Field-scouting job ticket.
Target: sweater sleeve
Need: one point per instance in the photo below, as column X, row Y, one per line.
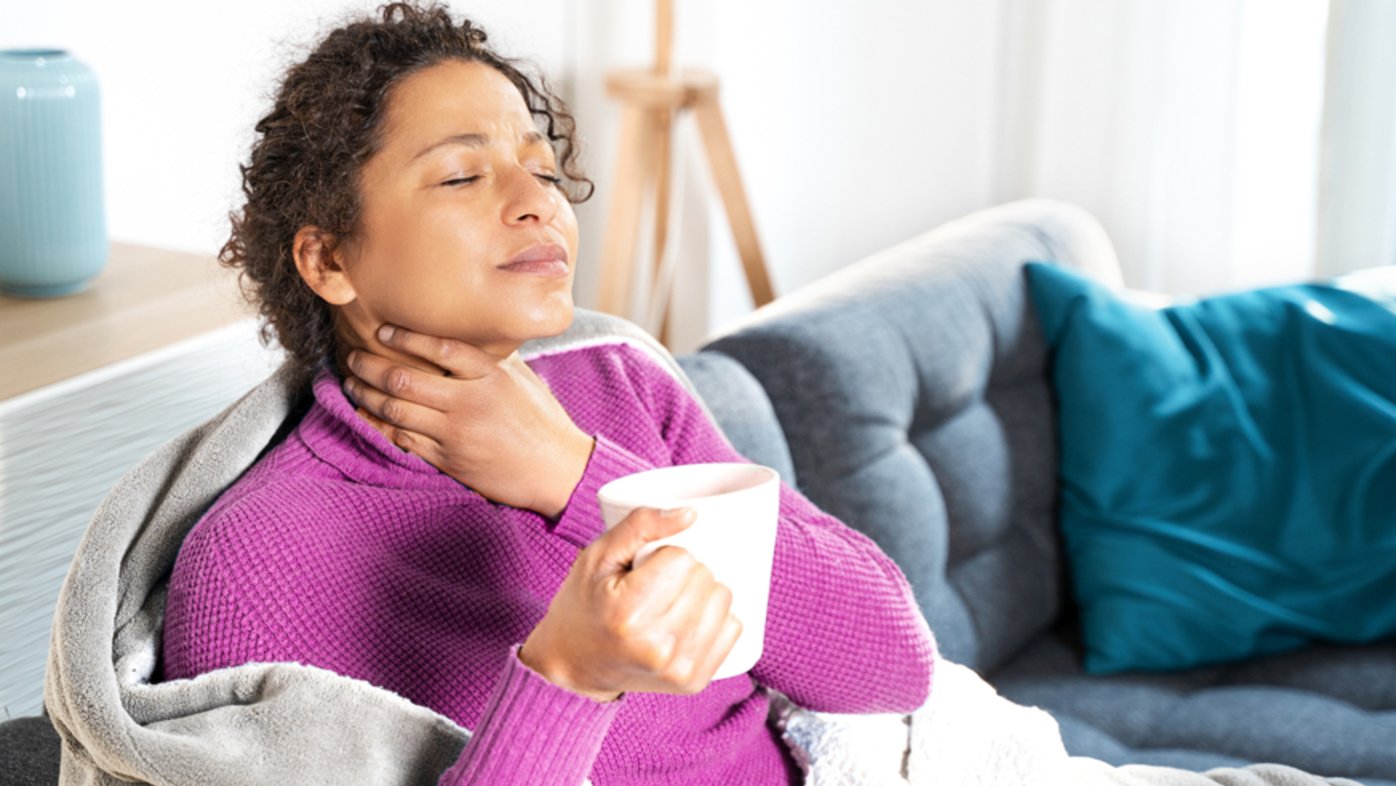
column 843, row 630
column 581, row 522
column 532, row 732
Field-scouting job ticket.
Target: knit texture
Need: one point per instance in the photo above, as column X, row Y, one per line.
column 341, row 551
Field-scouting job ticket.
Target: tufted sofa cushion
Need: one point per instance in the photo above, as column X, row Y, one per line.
column 912, row 392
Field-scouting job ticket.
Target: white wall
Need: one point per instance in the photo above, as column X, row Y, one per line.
column 183, row 83
column 854, row 126
column 857, row 124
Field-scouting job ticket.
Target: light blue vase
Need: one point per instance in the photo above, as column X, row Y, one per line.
column 53, row 234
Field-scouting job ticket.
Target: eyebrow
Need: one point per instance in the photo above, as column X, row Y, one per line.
column 474, row 141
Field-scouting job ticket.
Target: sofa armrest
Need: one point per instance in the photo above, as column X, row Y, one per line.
column 740, row 408
column 29, row 752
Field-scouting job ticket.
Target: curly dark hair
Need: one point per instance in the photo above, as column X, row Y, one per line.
column 326, row 123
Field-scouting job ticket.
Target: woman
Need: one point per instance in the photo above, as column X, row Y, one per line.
column 408, row 226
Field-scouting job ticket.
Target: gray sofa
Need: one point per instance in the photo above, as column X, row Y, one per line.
column 908, row 395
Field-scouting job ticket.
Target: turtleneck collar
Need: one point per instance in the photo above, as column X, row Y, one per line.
column 334, row 432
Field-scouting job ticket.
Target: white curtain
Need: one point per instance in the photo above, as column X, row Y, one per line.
column 1190, row 127
column 1357, row 184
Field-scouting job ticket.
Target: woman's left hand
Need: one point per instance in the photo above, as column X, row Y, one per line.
column 491, row 424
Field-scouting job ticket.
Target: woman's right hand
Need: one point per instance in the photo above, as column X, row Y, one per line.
column 612, row 628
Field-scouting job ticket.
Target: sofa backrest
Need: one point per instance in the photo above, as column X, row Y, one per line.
column 912, row 391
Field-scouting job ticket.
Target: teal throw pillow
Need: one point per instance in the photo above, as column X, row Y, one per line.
column 1228, row 467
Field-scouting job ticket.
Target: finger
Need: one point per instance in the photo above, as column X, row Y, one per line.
column 375, row 421
column 618, row 546
column 689, row 610
column 722, row 645
column 420, row 444
column 399, row 381
column 388, row 430
column 397, row 412
column 662, row 582
column 458, row 358
column 715, row 634
column 695, row 620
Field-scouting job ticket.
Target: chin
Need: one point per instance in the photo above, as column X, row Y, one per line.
column 551, row 321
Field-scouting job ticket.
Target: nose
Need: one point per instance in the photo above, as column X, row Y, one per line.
column 529, row 198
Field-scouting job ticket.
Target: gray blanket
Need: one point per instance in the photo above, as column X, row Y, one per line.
column 263, row 723
column 280, row 723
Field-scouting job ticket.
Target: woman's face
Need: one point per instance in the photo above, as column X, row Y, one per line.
column 462, row 186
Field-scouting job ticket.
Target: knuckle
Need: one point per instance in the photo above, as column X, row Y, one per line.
column 685, row 678
column 723, row 595
column 621, row 626
column 398, row 381
column 701, row 572
column 392, row 409
column 444, row 348
column 682, row 561
column 621, row 622
column 655, row 654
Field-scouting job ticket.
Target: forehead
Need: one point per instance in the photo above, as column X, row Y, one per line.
column 454, row 97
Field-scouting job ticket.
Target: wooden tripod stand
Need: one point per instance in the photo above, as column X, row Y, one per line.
column 652, row 100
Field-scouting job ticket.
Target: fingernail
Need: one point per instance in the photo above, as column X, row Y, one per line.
column 386, row 332
column 687, row 515
column 352, row 359
column 349, row 388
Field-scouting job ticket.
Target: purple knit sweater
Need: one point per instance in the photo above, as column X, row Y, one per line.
column 341, row 551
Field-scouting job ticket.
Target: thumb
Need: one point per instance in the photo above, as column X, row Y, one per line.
column 641, row 527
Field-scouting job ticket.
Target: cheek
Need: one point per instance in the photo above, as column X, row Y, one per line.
column 422, row 271
column 567, row 223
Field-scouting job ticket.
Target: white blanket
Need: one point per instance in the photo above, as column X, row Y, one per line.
column 968, row 735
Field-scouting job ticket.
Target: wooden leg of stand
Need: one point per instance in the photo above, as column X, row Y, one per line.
column 661, row 150
column 723, row 161
column 618, row 250
column 659, row 164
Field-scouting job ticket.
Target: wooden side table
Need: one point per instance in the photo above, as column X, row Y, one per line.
column 89, row 385
column 145, row 299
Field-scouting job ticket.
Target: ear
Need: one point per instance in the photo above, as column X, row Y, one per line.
column 319, row 263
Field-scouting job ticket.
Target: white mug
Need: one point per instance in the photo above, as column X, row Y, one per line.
column 734, row 534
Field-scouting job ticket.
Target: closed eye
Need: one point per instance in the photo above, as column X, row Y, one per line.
column 460, row 181
column 552, row 180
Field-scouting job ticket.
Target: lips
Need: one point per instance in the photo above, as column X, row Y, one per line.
column 544, row 258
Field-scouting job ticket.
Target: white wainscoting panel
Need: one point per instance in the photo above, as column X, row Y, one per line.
column 63, row 447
